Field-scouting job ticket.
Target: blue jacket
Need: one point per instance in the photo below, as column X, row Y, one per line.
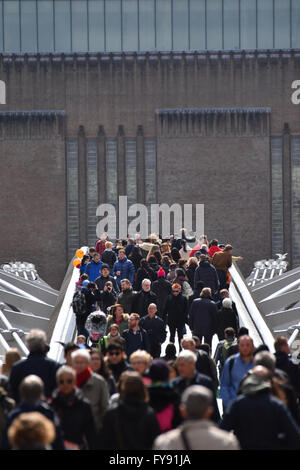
column 93, row 270
column 230, row 381
column 203, row 316
column 126, row 268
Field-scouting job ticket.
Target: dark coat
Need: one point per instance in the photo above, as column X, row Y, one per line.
column 129, row 425
column 109, row 257
column 226, row 318
column 162, row 288
column 190, row 274
column 135, row 341
column 106, row 299
column 181, row 384
column 36, row 363
column 203, row 316
column 101, row 280
column 207, row 273
column 176, row 310
column 141, row 302
column 143, row 273
column 76, row 417
column 258, row 420
column 162, row 396
column 40, row 407
column 284, row 363
column 118, row 369
column 125, row 298
column 155, row 327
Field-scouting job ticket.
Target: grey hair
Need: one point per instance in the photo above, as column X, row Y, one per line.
column 196, row 399
column 31, row 389
column 81, row 352
column 266, row 359
column 65, row 370
column 227, row 303
column 189, row 340
column 189, row 356
column 36, row 340
column 146, row 280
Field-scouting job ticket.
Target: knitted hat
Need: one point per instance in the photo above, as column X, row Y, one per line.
column 159, row 371
column 161, row 272
column 104, row 266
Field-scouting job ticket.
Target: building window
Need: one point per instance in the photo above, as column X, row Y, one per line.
column 277, row 195
column 72, row 197
column 11, row 16
column 295, row 154
column 150, row 171
column 111, row 172
column 45, row 26
column 130, row 163
column 92, row 190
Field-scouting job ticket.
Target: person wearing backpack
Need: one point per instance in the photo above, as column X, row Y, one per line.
column 84, row 303
column 234, row 369
column 223, row 349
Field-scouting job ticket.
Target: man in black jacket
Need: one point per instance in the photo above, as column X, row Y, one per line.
column 143, row 299
column 36, row 363
column 207, row 273
column 127, row 296
column 105, row 276
column 156, row 330
column 135, row 337
column 203, row 316
column 116, row 360
column 283, row 362
column 175, row 314
column 162, row 288
column 188, row 375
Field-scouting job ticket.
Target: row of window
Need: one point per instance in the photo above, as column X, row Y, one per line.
column 147, row 25
column 110, row 168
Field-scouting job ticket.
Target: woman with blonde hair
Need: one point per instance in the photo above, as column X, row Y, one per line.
column 140, row 361
column 12, row 356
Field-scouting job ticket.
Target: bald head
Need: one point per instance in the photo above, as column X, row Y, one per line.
column 262, row 372
column 246, row 347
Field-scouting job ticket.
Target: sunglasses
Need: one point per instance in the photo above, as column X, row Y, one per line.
column 114, row 353
column 62, row 381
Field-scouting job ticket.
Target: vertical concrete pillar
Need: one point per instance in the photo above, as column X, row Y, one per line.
column 287, row 193
column 82, row 186
column 140, row 165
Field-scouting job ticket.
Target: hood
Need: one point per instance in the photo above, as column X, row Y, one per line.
column 98, row 322
column 254, row 384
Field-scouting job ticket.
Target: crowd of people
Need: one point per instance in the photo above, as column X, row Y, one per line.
column 119, row 390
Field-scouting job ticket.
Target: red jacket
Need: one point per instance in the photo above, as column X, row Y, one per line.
column 212, row 250
column 100, row 247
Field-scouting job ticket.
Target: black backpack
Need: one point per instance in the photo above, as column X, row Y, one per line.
column 79, row 304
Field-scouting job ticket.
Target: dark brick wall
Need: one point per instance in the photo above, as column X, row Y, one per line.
column 230, row 174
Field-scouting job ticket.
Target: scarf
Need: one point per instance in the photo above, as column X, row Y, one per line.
column 83, row 377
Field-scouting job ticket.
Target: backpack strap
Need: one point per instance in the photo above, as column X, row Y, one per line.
column 185, row 439
column 231, row 362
